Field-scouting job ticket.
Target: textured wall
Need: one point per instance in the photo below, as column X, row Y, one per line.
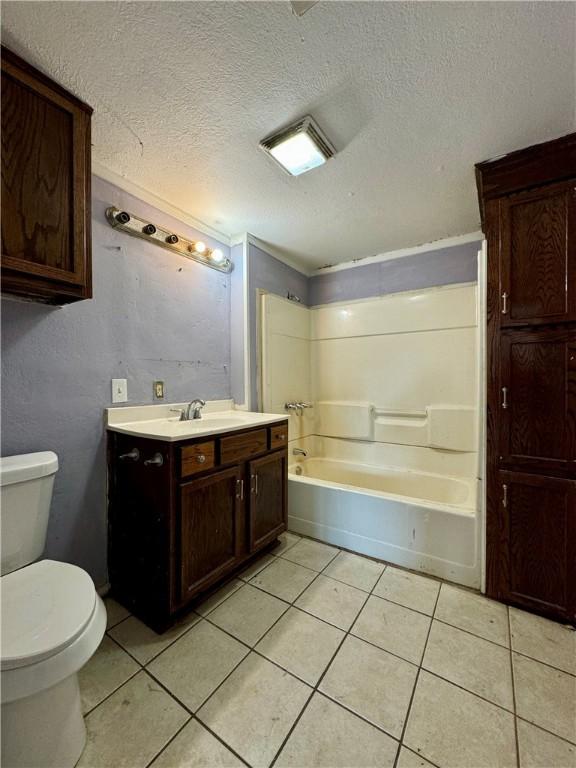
column 155, row 315
column 268, row 274
column 445, row 266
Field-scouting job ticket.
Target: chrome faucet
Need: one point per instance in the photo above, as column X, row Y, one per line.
column 192, row 411
column 299, row 452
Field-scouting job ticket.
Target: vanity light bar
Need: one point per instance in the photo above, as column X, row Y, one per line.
column 191, row 249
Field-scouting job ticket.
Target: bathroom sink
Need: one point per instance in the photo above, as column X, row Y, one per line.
column 205, row 425
column 171, row 428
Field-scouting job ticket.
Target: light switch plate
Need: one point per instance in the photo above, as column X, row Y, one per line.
column 158, row 389
column 119, row 390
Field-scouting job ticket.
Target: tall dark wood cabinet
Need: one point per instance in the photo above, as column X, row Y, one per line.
column 528, row 204
column 46, row 239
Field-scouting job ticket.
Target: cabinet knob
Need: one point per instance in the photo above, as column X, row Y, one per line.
column 156, row 461
column 200, row 458
column 132, row 455
column 282, row 437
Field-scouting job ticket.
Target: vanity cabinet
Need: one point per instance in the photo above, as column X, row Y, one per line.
column 184, row 515
column 46, row 238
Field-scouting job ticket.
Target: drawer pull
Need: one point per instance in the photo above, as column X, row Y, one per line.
column 200, row 458
column 504, row 397
column 504, row 495
column 281, row 437
column 504, row 303
column 156, row 461
column 133, row 455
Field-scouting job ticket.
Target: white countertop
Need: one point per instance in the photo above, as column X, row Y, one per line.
column 160, row 423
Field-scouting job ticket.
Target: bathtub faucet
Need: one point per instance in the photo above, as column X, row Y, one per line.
column 298, row 407
column 299, row 452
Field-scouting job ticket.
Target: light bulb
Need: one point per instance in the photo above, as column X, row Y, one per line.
column 199, row 247
column 217, row 256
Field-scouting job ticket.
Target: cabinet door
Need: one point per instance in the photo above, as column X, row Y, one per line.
column 45, row 186
column 210, row 528
column 538, row 556
column 268, row 498
column 537, row 422
column 538, row 256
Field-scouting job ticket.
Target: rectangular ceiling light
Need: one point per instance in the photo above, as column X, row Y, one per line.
column 299, row 147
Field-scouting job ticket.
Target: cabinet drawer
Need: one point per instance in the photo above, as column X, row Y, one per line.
column 239, row 447
column 197, row 458
column 279, row 436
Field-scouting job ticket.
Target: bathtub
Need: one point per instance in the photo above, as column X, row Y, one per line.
column 417, row 520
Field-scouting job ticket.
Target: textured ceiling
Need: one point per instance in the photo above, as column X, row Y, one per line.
column 412, row 95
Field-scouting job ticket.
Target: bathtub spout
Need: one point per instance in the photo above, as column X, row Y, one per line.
column 299, row 452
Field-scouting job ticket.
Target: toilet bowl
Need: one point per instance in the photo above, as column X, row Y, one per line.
column 52, row 623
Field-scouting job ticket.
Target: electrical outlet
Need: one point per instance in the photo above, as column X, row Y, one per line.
column 119, row 390
column 159, row 390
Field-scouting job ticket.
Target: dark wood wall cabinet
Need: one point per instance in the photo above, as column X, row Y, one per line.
column 528, row 205
column 46, row 239
column 182, row 516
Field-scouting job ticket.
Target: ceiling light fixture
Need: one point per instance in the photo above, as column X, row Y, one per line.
column 299, row 147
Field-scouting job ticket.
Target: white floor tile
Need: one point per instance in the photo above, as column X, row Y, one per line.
column 301, row 644
column 255, row 708
column 328, row 736
column 408, row 589
column 357, row 571
column 131, row 727
column 332, row 601
column 311, row 554
column 543, row 640
column 197, row 663
column 393, row 628
column 248, row 614
column 195, row 747
column 107, row 670
column 453, row 728
column 471, row 662
column 284, row 579
column 545, row 696
column 473, row 613
column 539, row 749
column 142, row 642
column 372, row 683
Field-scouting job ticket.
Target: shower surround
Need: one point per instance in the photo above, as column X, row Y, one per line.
column 392, row 466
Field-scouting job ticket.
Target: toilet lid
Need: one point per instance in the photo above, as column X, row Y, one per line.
column 45, row 606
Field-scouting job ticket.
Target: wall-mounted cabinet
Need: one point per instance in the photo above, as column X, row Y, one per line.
column 46, row 240
column 184, row 515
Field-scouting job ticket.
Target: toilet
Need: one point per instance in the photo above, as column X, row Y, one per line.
column 52, row 623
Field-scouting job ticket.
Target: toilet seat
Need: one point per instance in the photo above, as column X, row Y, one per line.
column 45, row 607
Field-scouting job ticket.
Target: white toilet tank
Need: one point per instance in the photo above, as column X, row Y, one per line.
column 26, row 483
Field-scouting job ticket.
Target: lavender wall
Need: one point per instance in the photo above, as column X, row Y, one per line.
column 456, row 264
column 268, row 274
column 155, row 315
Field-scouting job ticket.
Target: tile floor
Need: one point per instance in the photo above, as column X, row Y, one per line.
column 318, row 657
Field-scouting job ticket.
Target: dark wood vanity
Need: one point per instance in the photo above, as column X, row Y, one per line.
column 184, row 515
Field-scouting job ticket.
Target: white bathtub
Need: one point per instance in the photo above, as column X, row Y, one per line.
column 417, row 520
